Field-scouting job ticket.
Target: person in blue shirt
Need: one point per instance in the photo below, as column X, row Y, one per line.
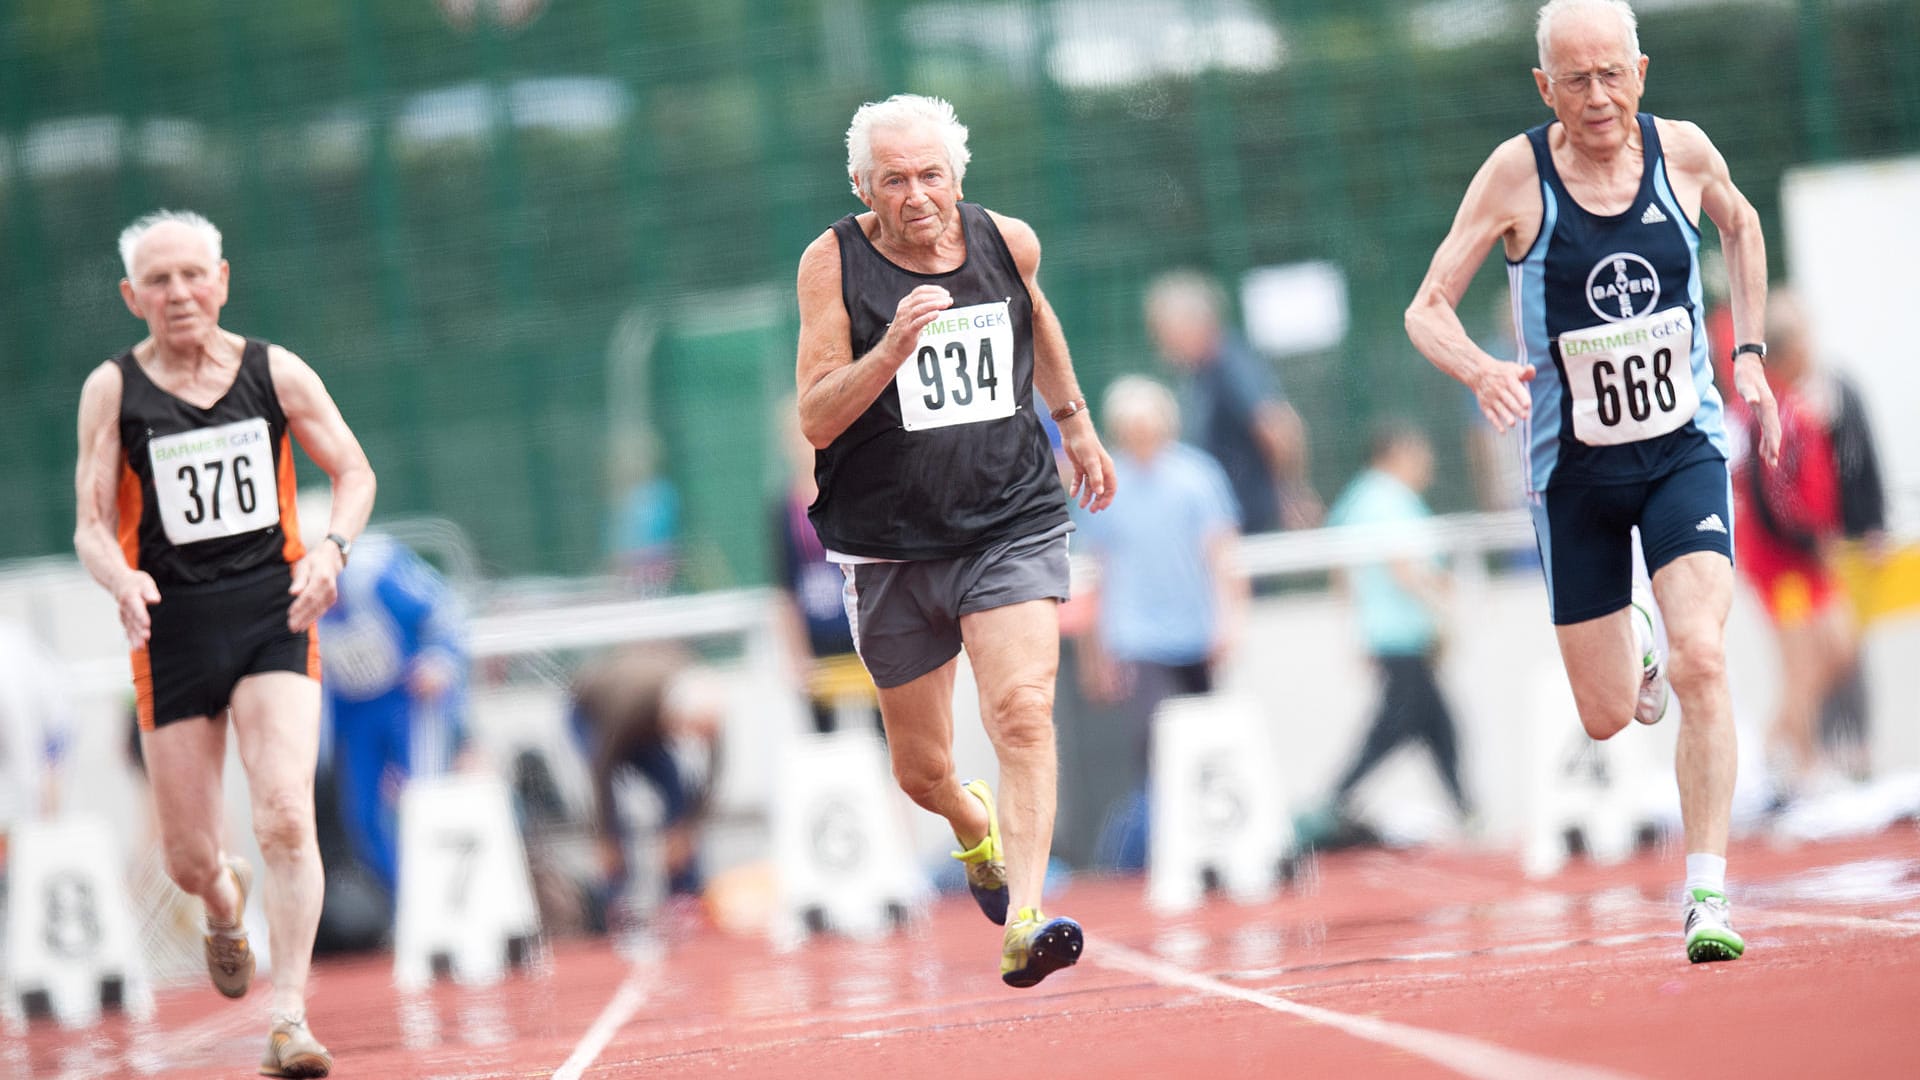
column 1400, row 602
column 394, row 680
column 1171, row 601
column 1232, row 405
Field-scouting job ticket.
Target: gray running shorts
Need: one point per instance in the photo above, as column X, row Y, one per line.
column 906, row 615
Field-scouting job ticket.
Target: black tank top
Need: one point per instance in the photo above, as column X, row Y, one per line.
column 205, row 493
column 951, row 458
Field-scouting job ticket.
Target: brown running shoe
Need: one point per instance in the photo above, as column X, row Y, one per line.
column 229, row 957
column 293, row 1051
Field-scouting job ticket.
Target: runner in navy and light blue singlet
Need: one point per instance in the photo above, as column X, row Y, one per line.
column 1597, row 213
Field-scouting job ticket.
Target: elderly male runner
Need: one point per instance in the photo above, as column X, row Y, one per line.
column 1596, row 210
column 923, row 335
column 186, row 515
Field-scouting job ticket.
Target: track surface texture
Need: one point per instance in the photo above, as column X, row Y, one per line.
column 1373, row 964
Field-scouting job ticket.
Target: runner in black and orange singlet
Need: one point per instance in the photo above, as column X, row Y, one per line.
column 186, row 515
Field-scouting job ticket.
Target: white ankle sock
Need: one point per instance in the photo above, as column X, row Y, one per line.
column 1706, row 871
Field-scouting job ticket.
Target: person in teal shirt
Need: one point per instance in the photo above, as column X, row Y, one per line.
column 1399, row 602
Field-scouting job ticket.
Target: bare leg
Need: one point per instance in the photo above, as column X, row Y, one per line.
column 277, row 719
column 1695, row 593
column 1603, row 668
column 919, row 722
column 184, row 761
column 1016, row 655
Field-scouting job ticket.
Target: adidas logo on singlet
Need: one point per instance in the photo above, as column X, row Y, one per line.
column 1653, row 216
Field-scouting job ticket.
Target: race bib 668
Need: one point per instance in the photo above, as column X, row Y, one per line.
column 960, row 371
column 216, row 481
column 1631, row 380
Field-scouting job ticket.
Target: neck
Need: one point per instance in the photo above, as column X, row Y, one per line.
column 945, row 252
column 204, row 351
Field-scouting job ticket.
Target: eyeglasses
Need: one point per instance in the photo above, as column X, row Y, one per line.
column 1578, row 83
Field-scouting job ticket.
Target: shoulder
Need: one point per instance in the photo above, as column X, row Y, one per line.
column 1512, row 164
column 820, row 264
column 1022, row 242
column 1684, row 144
column 283, row 361
column 105, row 379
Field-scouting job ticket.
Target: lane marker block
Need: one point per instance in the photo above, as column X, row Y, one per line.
column 466, row 906
column 1218, row 819
column 840, row 847
column 71, row 948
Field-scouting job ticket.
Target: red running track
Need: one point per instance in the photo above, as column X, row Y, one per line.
column 1381, row 964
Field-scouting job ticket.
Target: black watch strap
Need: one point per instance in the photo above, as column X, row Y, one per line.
column 345, row 545
column 1757, row 348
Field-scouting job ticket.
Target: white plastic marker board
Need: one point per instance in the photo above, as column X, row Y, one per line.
column 71, row 946
column 1218, row 817
column 466, row 903
column 840, row 847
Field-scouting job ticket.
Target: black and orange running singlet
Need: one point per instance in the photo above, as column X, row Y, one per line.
column 205, row 493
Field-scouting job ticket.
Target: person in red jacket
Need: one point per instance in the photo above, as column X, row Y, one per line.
column 1788, row 519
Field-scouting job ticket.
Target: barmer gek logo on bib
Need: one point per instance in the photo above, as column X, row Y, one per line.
column 1621, row 286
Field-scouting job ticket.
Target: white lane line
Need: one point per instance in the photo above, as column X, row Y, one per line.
column 1464, row 1055
column 626, row 1001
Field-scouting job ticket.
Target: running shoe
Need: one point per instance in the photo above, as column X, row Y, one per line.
column 229, row 957
column 1035, row 947
column 293, row 1051
column 1651, row 705
column 1710, row 934
column 986, row 862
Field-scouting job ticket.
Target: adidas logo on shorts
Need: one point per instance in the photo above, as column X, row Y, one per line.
column 1653, row 216
column 1711, row 523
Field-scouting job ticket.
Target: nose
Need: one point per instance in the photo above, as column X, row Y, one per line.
column 177, row 288
column 1597, row 93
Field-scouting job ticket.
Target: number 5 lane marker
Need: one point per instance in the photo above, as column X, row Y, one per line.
column 1464, row 1055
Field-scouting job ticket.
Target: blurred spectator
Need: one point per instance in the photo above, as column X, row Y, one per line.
column 1171, row 601
column 647, row 714
column 812, row 590
column 35, row 725
column 1400, row 603
column 1789, row 520
column 643, row 524
column 394, row 677
column 1232, row 404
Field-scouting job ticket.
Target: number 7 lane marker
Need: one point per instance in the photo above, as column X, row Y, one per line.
column 1460, row 1053
column 626, row 1001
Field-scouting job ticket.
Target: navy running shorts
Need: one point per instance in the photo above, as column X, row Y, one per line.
column 1585, row 533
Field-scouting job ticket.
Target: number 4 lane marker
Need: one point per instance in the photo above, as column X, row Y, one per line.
column 1462, row 1054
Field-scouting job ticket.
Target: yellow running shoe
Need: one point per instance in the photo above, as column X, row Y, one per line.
column 985, row 862
column 229, row 957
column 1035, row 947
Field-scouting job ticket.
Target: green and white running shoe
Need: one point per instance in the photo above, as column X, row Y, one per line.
column 1709, row 927
column 1651, row 705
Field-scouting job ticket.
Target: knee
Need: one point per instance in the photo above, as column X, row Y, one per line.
column 1023, row 717
column 1603, row 725
column 1695, row 661
column 920, row 776
column 283, row 822
column 193, row 865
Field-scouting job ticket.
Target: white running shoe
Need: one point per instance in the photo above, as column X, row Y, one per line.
column 1709, row 928
column 1651, row 705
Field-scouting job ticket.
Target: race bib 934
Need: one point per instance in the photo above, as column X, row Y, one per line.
column 961, row 371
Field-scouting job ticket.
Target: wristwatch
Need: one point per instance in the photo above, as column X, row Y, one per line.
column 1757, row 348
column 345, row 545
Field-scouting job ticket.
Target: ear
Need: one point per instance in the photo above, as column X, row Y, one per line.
column 1642, row 65
column 1545, row 86
column 226, row 275
column 859, row 192
column 127, row 294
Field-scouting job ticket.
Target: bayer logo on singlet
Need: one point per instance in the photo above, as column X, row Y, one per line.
column 1621, row 286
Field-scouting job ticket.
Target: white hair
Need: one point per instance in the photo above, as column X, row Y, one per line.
column 131, row 236
column 898, row 112
column 1186, row 296
column 1553, row 9
column 1137, row 397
